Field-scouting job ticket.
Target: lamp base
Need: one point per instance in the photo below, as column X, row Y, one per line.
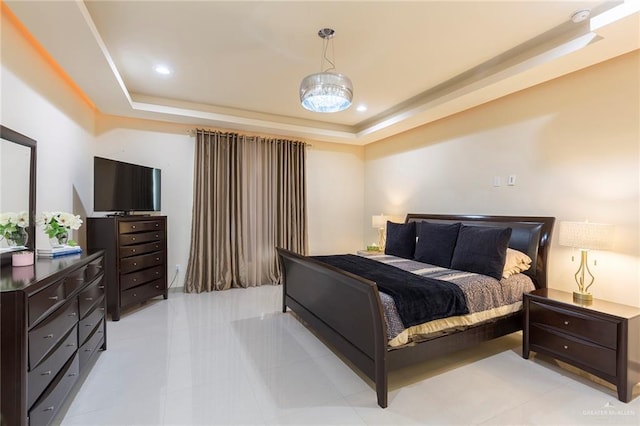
column 582, row 297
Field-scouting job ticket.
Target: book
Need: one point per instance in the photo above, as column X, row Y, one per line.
column 59, row 251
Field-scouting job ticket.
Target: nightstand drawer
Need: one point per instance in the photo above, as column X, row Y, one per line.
column 573, row 349
column 596, row 330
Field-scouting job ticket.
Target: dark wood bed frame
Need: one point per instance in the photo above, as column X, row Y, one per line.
column 345, row 310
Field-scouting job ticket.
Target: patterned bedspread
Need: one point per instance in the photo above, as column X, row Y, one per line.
column 486, row 298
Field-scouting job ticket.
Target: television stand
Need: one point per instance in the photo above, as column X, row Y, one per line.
column 135, row 260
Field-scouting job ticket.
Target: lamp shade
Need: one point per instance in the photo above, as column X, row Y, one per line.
column 378, row 221
column 586, row 235
column 326, row 92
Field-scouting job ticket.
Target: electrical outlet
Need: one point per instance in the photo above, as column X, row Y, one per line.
column 178, row 267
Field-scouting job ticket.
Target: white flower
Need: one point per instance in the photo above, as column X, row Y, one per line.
column 5, row 218
column 22, row 219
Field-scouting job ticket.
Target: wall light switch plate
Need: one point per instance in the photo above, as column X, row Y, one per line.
column 497, row 181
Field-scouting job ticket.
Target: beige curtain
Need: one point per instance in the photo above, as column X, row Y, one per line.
column 249, row 198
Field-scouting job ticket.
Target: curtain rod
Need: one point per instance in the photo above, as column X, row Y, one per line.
column 192, row 133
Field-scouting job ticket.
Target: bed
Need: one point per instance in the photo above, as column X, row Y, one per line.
column 345, row 309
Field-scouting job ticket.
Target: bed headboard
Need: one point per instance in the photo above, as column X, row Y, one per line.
column 530, row 235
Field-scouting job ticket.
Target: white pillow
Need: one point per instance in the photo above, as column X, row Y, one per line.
column 515, row 263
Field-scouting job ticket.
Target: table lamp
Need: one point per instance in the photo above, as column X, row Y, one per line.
column 380, row 222
column 585, row 236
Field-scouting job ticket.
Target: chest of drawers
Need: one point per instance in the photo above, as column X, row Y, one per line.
column 136, row 258
column 52, row 325
column 602, row 338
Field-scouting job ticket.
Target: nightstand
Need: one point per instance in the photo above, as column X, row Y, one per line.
column 369, row 252
column 602, row 338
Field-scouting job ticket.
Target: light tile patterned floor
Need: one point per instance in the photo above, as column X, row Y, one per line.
column 233, row 358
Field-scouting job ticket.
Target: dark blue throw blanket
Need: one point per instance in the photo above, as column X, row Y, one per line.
column 418, row 299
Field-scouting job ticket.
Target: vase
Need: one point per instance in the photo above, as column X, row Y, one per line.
column 17, row 238
column 59, row 240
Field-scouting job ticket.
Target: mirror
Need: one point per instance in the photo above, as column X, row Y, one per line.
column 17, row 193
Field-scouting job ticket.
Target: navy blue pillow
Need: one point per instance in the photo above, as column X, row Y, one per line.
column 481, row 249
column 401, row 239
column 436, row 242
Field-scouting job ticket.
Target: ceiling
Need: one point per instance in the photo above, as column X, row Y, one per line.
column 238, row 64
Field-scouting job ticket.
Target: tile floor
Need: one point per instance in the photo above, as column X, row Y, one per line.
column 233, row 358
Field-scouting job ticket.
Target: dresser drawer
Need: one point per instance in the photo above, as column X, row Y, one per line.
column 89, row 323
column 40, row 377
column 140, row 226
column 49, row 404
column 94, row 269
column 144, row 261
column 135, row 279
column 582, row 352
column 88, row 298
column 143, row 237
column 135, row 250
column 142, row 293
column 599, row 331
column 45, row 301
column 46, row 335
column 74, row 281
column 91, row 345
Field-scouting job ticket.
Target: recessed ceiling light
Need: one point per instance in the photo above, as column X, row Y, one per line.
column 580, row 15
column 162, row 69
column 361, row 108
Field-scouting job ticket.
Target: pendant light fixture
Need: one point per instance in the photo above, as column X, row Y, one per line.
column 326, row 91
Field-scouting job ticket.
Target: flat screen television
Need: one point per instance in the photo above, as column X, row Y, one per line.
column 124, row 188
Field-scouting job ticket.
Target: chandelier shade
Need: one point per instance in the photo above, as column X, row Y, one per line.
column 326, row 92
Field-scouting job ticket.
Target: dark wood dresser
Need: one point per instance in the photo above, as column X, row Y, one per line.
column 52, row 325
column 602, row 338
column 136, row 258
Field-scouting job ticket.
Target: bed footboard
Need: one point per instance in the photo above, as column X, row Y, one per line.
column 342, row 308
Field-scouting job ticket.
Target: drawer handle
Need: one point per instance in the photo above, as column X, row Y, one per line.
column 46, row 373
column 70, row 345
column 53, row 298
column 102, row 309
column 566, row 347
column 157, row 272
column 88, row 299
column 157, row 286
column 48, row 336
column 133, row 227
column 99, row 331
column 158, row 259
column 133, row 239
column 157, row 224
column 566, row 323
column 101, row 287
column 88, row 325
column 133, row 250
column 72, row 374
column 157, row 235
column 135, row 280
column 135, row 264
column 49, row 408
column 72, row 314
column 135, row 295
column 87, row 350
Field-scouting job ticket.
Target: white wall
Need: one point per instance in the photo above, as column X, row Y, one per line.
column 335, row 199
column 38, row 103
column 573, row 144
